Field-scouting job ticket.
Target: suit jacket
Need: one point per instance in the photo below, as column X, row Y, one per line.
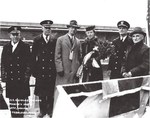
column 16, row 70
column 137, row 60
column 43, row 65
column 118, row 58
column 62, row 61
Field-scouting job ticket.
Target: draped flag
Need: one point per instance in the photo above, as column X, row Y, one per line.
column 101, row 99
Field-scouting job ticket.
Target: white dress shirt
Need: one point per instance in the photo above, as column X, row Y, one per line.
column 14, row 46
column 123, row 38
column 46, row 40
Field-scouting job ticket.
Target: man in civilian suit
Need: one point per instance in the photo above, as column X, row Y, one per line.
column 43, row 68
column 67, row 55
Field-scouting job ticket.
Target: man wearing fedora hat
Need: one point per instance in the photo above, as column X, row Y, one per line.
column 15, row 70
column 137, row 61
column 121, row 43
column 43, row 68
column 67, row 54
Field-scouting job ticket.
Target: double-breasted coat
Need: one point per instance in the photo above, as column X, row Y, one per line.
column 62, row 61
column 137, row 60
column 91, row 73
column 43, row 65
column 117, row 59
column 15, row 68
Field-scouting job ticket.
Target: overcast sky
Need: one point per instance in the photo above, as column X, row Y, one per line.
column 86, row 12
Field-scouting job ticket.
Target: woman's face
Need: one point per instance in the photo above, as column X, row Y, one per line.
column 90, row 34
column 137, row 38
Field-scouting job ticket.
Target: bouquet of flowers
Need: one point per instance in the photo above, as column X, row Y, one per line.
column 104, row 49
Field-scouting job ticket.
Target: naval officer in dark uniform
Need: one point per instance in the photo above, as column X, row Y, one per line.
column 43, row 68
column 15, row 69
column 121, row 43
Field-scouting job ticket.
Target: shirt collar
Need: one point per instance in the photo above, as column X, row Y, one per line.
column 12, row 43
column 123, row 38
column 44, row 36
column 70, row 36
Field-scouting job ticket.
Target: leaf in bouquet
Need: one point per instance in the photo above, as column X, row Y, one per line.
column 105, row 49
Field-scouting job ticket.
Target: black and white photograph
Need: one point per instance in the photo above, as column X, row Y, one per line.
column 74, row 59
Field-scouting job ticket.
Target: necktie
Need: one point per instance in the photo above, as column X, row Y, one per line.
column 71, row 41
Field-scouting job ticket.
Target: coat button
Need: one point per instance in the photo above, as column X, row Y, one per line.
column 42, row 75
column 42, row 59
column 17, row 64
column 11, row 71
column 18, row 78
column 116, row 62
column 11, row 78
column 115, row 68
column 50, row 60
column 10, row 64
column 18, row 71
column 49, row 75
column 43, row 67
column 17, row 57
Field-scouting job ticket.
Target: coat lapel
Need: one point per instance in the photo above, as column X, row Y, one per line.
column 75, row 43
column 68, row 41
column 9, row 48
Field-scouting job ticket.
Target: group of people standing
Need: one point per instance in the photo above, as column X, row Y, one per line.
column 56, row 61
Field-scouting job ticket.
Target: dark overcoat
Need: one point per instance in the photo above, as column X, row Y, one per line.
column 137, row 60
column 43, row 65
column 91, row 73
column 117, row 59
column 15, row 69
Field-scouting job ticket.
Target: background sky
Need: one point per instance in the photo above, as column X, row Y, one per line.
column 86, row 12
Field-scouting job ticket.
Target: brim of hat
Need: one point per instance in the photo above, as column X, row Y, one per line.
column 136, row 32
column 123, row 26
column 73, row 26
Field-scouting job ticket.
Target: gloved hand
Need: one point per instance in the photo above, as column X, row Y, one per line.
column 61, row 73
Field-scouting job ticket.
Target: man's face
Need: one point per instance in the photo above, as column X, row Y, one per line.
column 46, row 30
column 72, row 30
column 137, row 38
column 15, row 36
column 90, row 34
column 122, row 30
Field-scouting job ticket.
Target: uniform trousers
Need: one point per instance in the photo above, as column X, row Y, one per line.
column 46, row 104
